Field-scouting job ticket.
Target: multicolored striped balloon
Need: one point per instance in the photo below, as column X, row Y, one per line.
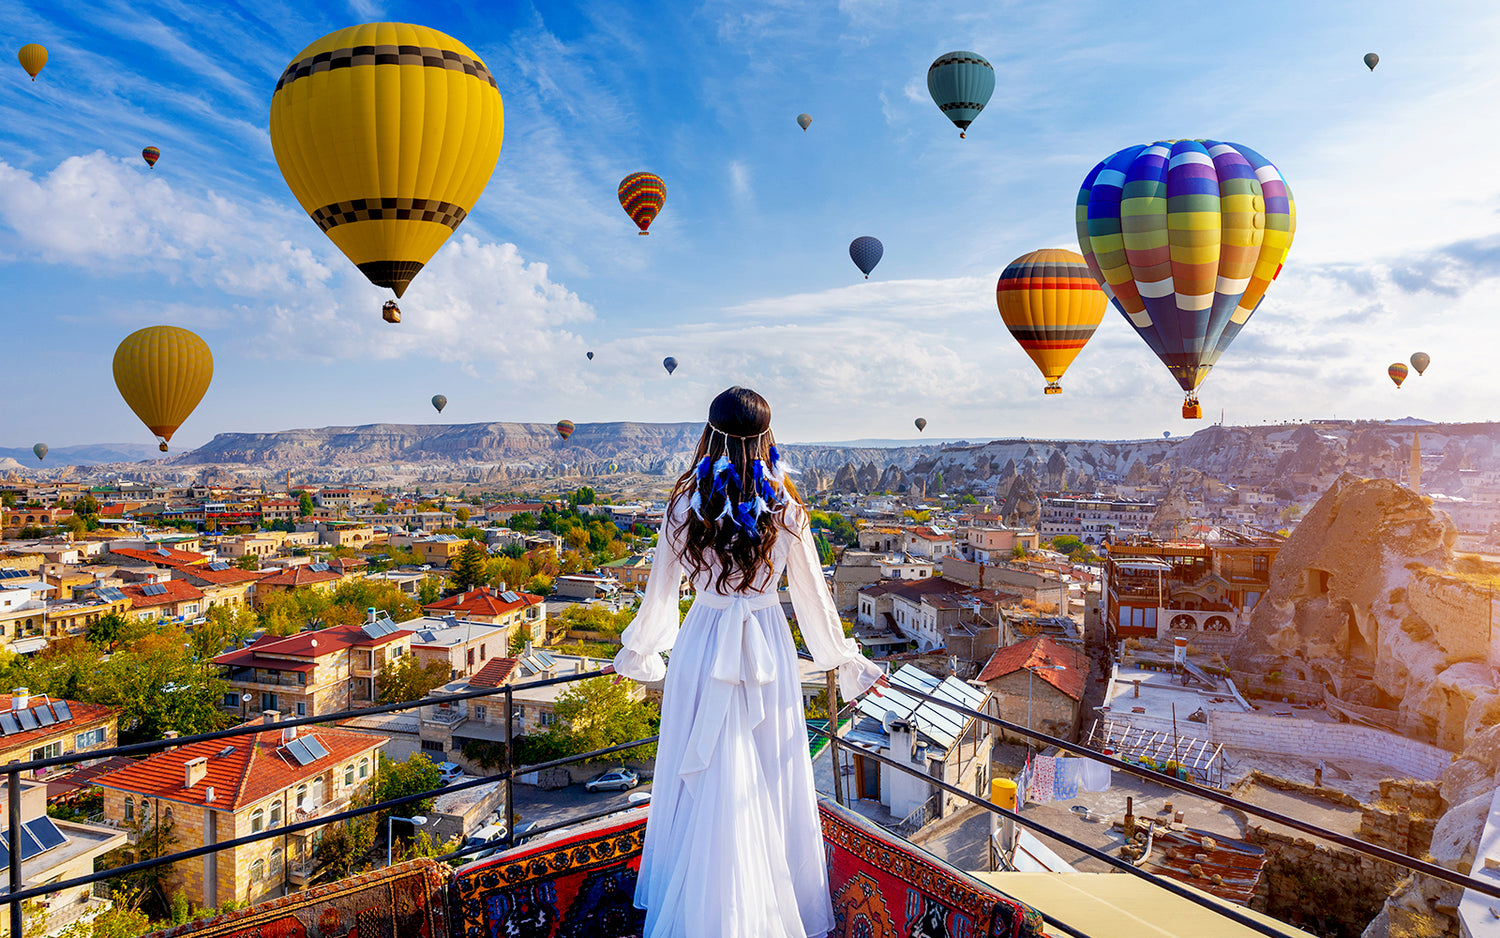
column 642, row 195
column 1051, row 305
column 565, row 428
column 961, row 84
column 1397, row 373
column 151, row 155
column 1185, row 236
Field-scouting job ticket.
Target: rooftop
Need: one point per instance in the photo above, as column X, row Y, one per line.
column 42, row 718
column 1041, row 652
column 161, row 593
column 484, row 602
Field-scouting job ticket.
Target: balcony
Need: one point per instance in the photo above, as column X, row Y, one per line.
column 445, row 717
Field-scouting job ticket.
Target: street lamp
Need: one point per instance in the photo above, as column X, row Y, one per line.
column 417, row 821
column 1031, row 671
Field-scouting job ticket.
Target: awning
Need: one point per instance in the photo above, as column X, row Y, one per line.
column 29, row 646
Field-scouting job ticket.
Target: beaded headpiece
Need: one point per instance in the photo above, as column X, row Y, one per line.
column 765, row 493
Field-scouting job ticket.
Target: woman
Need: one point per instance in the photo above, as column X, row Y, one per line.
column 733, row 847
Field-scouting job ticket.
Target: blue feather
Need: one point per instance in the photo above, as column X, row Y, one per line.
column 696, row 503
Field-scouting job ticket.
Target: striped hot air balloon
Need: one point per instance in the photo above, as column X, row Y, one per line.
column 641, row 196
column 1185, row 236
column 961, row 84
column 1051, row 305
column 565, row 428
column 1397, row 373
column 387, row 133
column 151, row 155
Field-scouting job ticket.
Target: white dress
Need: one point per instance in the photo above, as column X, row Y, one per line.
column 733, row 845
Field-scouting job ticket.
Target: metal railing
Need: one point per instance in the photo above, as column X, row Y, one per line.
column 14, row 772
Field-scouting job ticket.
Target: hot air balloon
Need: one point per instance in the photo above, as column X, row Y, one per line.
column 1184, row 237
column 1397, row 373
column 387, row 134
column 866, row 252
column 390, row 312
column 921, row 423
column 590, row 355
column 1372, row 60
column 961, row 84
column 1166, row 434
column 162, row 373
column 1051, row 305
column 439, row 401
column 41, row 451
column 151, row 155
column 642, row 196
column 1420, row 361
column 33, row 58
column 565, row 428
column 670, row 364
column 804, row 121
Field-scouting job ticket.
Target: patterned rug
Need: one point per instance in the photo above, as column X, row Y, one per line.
column 581, row 885
column 402, row 901
column 883, row 886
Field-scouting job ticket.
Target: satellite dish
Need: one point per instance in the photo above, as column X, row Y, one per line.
column 245, row 698
column 888, row 719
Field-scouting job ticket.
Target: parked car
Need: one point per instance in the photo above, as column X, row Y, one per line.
column 523, row 831
column 450, row 772
column 492, row 834
column 614, row 779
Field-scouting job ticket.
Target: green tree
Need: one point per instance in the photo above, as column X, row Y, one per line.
column 429, row 590
column 343, row 850
column 1018, row 552
column 382, row 507
column 583, row 496
column 406, row 678
column 248, row 562
column 304, row 505
column 159, row 686
column 107, row 630
column 518, row 640
column 123, row 919
column 86, row 505
column 426, row 845
column 399, row 779
column 937, row 484
column 825, row 550
column 462, row 515
column 525, row 521
column 598, row 713
column 468, row 567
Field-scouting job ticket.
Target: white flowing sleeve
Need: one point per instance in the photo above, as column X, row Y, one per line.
column 818, row 619
column 654, row 628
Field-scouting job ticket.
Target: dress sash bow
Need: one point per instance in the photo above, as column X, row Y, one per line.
column 742, row 662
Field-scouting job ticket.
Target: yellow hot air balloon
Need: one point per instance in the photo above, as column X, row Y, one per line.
column 387, row 133
column 33, row 58
column 1051, row 305
column 163, row 372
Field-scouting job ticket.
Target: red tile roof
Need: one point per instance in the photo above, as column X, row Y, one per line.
column 84, row 714
column 172, row 558
column 176, row 592
column 329, row 640
column 247, row 658
column 300, row 576
column 224, row 577
column 481, row 602
column 1041, row 650
column 495, row 672
column 257, row 766
column 915, row 589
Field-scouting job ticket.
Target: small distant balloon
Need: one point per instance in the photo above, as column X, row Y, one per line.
column 41, row 451
column 1397, row 373
column 804, row 121
column 33, row 58
column 565, row 428
column 1420, row 361
column 641, row 196
column 866, row 252
column 1166, row 434
column 590, row 355
column 151, row 155
column 670, row 364
column 921, row 423
column 1372, row 60
column 439, row 401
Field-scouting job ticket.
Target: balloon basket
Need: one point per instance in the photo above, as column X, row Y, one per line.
column 1192, row 410
column 162, row 447
column 390, row 312
column 643, row 233
column 1052, row 388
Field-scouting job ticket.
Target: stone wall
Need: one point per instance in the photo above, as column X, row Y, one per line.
column 1404, row 817
column 1328, row 890
column 1461, row 616
column 1314, row 739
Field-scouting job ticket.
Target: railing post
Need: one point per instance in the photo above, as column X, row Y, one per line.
column 833, row 736
column 510, row 770
column 13, row 813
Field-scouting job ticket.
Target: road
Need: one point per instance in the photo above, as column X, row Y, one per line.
column 552, row 807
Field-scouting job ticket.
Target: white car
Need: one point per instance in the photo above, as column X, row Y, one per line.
column 450, row 772
column 619, row 779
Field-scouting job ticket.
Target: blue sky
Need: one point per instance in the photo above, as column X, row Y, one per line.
column 746, row 277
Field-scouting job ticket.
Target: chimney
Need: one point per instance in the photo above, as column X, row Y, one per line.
column 193, row 771
column 169, row 734
column 21, row 696
column 270, row 716
column 370, row 615
column 208, row 795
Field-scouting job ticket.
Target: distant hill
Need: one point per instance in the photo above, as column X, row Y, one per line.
column 86, row 454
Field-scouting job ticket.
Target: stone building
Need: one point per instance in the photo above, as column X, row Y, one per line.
column 67, row 849
column 223, row 789
column 36, row 727
column 1051, row 697
column 463, row 646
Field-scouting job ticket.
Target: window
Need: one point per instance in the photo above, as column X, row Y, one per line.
column 364, row 767
column 481, row 651
column 548, row 718
column 301, row 708
column 301, row 795
column 167, row 815
column 257, row 871
column 397, row 652
column 48, row 751
column 479, row 712
column 129, row 809
column 470, row 660
column 349, row 775
column 231, row 700
column 301, row 677
column 431, row 745
column 267, row 701
column 257, row 821
column 276, row 814
column 276, row 861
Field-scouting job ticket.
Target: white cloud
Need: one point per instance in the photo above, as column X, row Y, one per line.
column 739, row 182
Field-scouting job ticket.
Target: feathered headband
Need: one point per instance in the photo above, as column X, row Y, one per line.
column 765, row 493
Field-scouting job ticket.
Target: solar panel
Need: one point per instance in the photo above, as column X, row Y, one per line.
column 28, row 721
column 318, row 567
column 45, row 832
column 8, row 724
column 298, row 749
column 314, row 747
column 163, row 552
column 218, row 565
column 63, row 713
column 509, row 596
column 9, row 574
column 44, row 714
column 110, row 594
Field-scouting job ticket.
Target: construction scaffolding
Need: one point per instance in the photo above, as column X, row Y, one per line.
column 1183, row 757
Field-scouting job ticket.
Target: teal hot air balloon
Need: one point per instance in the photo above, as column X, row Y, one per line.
column 804, row 121
column 439, row 402
column 961, row 84
column 670, row 364
column 41, row 451
column 1371, row 60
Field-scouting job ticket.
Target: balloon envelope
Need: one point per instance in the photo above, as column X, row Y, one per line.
column 151, row 155
column 1166, row 434
column 387, row 133
column 33, row 57
column 1397, row 373
column 641, row 196
column 1184, row 237
column 1051, row 305
column 591, row 356
column 921, row 423
column 439, row 401
column 804, row 121
column 1372, row 60
column 961, row 84
column 41, row 451
column 1420, row 361
column 670, row 364
column 866, row 252
column 162, row 373
column 565, row 428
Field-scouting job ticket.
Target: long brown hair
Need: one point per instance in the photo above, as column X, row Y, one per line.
column 722, row 517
